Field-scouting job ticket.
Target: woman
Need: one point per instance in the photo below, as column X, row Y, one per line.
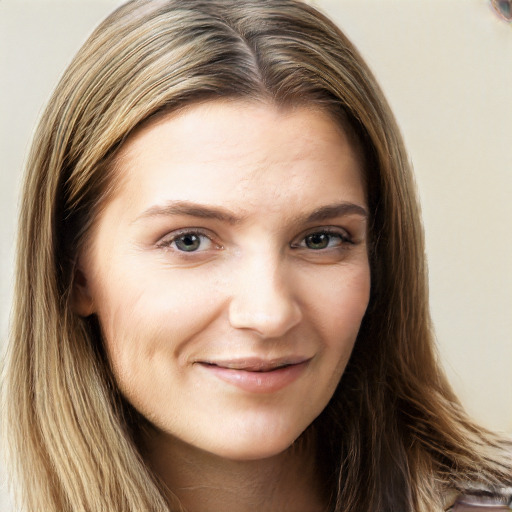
column 221, row 294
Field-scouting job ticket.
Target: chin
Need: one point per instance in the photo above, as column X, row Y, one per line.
column 259, row 446
column 253, row 453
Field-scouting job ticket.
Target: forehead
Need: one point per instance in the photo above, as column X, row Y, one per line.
column 241, row 153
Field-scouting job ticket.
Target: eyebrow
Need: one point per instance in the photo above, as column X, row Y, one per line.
column 202, row 211
column 190, row 209
column 336, row 210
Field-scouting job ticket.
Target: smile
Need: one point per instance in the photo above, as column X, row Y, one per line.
column 256, row 375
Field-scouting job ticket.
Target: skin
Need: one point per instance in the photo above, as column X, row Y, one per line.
column 229, row 244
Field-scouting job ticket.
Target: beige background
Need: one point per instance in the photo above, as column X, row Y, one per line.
column 446, row 68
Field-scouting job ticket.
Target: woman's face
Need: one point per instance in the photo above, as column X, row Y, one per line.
column 229, row 273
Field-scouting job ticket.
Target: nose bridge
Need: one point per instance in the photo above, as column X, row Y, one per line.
column 263, row 298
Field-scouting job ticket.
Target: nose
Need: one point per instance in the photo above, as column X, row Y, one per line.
column 263, row 300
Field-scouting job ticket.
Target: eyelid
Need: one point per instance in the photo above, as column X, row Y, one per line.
column 169, row 238
column 328, row 230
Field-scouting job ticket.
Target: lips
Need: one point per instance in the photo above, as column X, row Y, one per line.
column 257, row 375
column 256, row 364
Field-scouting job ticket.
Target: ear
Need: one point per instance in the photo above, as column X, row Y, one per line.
column 81, row 299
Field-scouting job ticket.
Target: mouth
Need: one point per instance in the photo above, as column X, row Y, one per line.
column 255, row 364
column 255, row 375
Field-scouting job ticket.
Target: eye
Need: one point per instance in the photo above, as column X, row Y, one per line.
column 189, row 241
column 324, row 239
column 320, row 241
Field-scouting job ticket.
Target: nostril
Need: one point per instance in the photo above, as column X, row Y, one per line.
column 270, row 320
column 263, row 298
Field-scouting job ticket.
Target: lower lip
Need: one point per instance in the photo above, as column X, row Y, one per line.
column 258, row 382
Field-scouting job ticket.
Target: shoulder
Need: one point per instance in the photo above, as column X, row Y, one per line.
column 483, row 501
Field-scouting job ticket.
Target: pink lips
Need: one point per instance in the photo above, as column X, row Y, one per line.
column 257, row 375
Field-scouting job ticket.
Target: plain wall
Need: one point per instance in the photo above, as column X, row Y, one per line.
column 446, row 68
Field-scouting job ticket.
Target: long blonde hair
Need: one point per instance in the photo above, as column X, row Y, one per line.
column 394, row 437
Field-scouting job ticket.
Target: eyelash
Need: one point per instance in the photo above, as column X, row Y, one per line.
column 343, row 237
column 167, row 242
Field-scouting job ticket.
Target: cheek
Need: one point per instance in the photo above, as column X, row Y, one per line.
column 337, row 302
column 149, row 315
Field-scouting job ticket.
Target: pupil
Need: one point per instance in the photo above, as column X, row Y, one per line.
column 317, row 241
column 188, row 243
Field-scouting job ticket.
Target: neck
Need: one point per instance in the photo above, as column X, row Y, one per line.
column 288, row 482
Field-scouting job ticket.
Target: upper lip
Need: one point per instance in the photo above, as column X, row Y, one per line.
column 255, row 364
